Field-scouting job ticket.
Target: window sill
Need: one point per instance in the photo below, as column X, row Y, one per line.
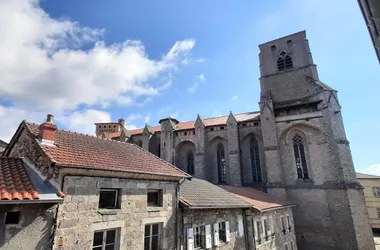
column 155, row 209
column 105, row 211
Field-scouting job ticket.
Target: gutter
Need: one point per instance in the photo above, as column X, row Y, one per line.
column 4, row 202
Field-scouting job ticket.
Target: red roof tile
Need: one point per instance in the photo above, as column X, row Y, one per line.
column 14, row 181
column 208, row 122
column 82, row 150
column 260, row 200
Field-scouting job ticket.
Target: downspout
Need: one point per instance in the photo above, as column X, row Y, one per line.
column 177, row 209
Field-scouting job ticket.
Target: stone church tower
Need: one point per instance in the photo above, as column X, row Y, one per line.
column 295, row 147
column 307, row 154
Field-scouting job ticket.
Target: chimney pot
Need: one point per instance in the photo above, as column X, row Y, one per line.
column 50, row 118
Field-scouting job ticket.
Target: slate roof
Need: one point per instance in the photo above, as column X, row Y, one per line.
column 258, row 199
column 18, row 182
column 75, row 149
column 209, row 122
column 197, row 193
column 366, row 176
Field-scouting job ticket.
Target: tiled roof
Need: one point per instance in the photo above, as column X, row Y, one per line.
column 14, row 181
column 259, row 199
column 209, row 122
column 366, row 176
column 197, row 193
column 75, row 149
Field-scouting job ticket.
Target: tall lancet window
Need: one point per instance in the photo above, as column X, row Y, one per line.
column 299, row 154
column 255, row 160
column 190, row 162
column 221, row 160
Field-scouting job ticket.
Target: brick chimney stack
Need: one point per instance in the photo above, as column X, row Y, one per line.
column 48, row 131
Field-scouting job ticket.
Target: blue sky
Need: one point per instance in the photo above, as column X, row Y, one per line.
column 88, row 61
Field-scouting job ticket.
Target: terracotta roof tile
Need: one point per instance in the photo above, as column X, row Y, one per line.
column 14, row 181
column 75, row 149
column 259, row 199
column 209, row 122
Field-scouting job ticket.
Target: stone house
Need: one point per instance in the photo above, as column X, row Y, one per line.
column 371, row 184
column 28, row 206
column 227, row 217
column 294, row 147
column 117, row 195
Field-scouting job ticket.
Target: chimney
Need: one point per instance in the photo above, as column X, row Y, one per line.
column 122, row 122
column 48, row 130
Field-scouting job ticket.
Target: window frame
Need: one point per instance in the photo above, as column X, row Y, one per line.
column 289, row 221
column 202, row 236
column 18, row 218
column 283, row 224
column 104, row 239
column 222, row 232
column 117, row 198
column 376, row 191
column 221, row 163
column 159, row 197
column 299, row 153
column 150, row 236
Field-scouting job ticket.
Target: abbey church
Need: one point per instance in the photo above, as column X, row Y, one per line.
column 294, row 147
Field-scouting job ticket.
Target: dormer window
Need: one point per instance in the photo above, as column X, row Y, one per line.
column 284, row 61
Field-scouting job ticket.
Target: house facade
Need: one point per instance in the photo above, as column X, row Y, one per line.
column 294, row 147
column 371, row 184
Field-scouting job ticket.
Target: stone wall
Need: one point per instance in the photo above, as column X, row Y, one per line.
column 279, row 238
column 79, row 215
column 34, row 230
column 199, row 217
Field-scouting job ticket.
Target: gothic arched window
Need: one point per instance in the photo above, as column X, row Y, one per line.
column 190, row 162
column 299, row 154
column 284, row 61
column 255, row 160
column 222, row 176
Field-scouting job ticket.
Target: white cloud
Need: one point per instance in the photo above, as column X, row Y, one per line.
column 200, row 60
column 174, row 115
column 43, row 68
column 83, row 121
column 373, row 169
column 234, row 98
column 132, row 117
column 197, row 79
column 216, row 113
column 38, row 57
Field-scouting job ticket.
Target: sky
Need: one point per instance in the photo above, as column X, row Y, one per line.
column 95, row 61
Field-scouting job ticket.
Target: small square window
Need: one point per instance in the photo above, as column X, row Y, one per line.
column 154, row 198
column 289, row 42
column 105, row 240
column 194, row 132
column 185, row 133
column 12, row 218
column 211, row 129
column 244, row 125
column 273, row 47
column 221, row 128
column 255, row 124
column 108, row 198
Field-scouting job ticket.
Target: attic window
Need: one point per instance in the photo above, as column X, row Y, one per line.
column 194, row 132
column 12, row 218
column 273, row 47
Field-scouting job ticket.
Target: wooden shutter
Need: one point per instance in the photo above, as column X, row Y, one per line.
column 227, row 231
column 270, row 226
column 256, row 232
column 216, row 234
column 208, row 236
column 190, row 239
column 241, row 228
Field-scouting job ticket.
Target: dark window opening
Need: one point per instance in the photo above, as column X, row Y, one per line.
column 194, row 132
column 12, row 217
column 185, row 133
column 290, row 43
column 100, row 126
column 222, row 175
column 176, row 134
column 114, row 126
column 255, row 124
column 299, row 154
column 152, row 237
column 199, row 237
column 221, row 128
column 105, row 126
column 211, row 129
column 273, row 47
column 283, row 225
column 222, row 232
column 154, row 198
column 104, row 240
column 244, row 125
column 280, row 64
column 108, row 198
column 159, row 150
column 190, row 162
column 255, row 160
column 288, row 62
